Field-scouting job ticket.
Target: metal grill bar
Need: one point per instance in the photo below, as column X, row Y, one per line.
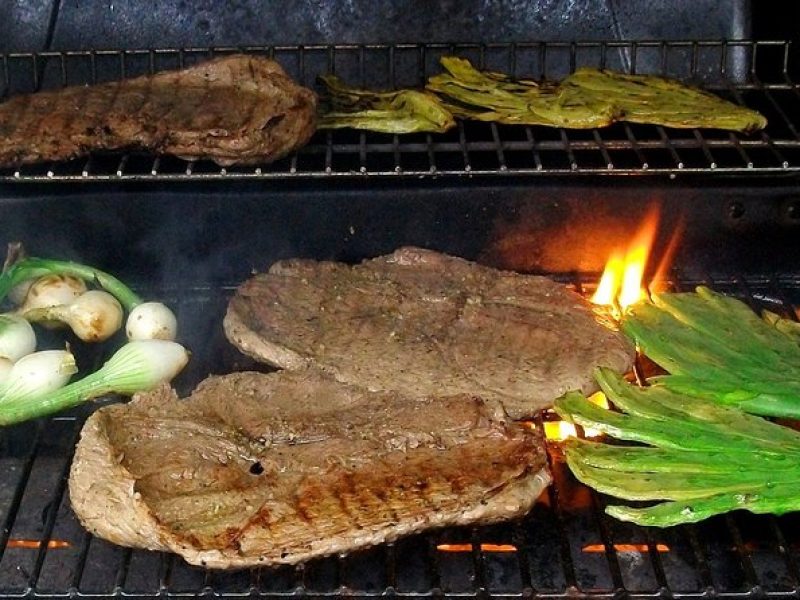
column 566, row 548
column 758, row 74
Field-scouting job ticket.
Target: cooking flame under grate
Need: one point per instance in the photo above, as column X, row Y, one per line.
column 565, row 546
column 757, row 74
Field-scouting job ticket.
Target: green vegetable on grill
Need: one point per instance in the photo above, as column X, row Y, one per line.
column 402, row 111
column 587, row 98
column 146, row 320
column 699, row 458
column 35, row 384
column 136, row 367
column 715, row 347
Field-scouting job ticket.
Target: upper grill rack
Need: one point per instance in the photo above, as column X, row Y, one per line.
column 758, row 74
column 565, row 549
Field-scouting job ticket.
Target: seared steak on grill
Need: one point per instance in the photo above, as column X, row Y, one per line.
column 235, row 109
column 258, row 469
column 424, row 323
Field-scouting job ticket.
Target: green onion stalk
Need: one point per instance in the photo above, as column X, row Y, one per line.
column 32, row 268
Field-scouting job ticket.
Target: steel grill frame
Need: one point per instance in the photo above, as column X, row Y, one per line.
column 736, row 557
column 720, row 559
column 472, row 149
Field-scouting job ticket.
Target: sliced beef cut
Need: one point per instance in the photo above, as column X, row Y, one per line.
column 425, row 323
column 233, row 109
column 257, row 469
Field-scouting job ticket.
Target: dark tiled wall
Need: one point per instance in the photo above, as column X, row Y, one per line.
column 29, row 25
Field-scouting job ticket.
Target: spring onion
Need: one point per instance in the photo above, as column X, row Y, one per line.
column 51, row 290
column 6, row 364
column 16, row 337
column 32, row 268
column 699, row 458
column 157, row 318
column 37, row 375
column 137, row 366
column 151, row 321
column 93, row 316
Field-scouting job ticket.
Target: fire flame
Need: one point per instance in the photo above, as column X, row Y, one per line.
column 620, row 286
column 558, row 431
column 621, row 283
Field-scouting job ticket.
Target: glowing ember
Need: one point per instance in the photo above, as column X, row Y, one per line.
column 621, row 283
column 483, row 548
column 35, row 544
column 625, row 548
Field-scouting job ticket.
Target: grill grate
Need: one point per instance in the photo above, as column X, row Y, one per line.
column 759, row 74
column 565, row 548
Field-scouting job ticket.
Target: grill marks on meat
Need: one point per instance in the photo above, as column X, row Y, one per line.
column 426, row 323
column 265, row 469
column 234, row 109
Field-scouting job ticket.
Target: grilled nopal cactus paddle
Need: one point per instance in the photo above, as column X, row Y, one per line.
column 401, row 111
column 700, row 458
column 715, row 347
column 585, row 99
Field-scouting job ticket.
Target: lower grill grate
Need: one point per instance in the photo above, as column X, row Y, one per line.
column 565, row 548
column 759, row 74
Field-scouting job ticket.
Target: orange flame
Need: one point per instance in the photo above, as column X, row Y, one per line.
column 659, row 281
column 482, row 547
column 621, row 283
column 558, row 431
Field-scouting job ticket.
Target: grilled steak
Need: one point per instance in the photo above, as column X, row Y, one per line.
column 258, row 469
column 424, row 323
column 235, row 109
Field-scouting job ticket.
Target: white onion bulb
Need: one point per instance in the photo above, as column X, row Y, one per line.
column 16, row 337
column 52, row 290
column 38, row 374
column 151, row 321
column 93, row 316
column 5, row 368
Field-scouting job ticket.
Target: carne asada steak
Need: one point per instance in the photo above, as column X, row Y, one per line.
column 256, row 469
column 424, row 323
column 234, row 109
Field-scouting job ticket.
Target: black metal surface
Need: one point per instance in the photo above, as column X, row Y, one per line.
column 565, row 548
column 216, row 234
column 757, row 74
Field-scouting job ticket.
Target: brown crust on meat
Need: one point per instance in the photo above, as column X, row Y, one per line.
column 339, row 468
column 425, row 323
column 233, row 109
